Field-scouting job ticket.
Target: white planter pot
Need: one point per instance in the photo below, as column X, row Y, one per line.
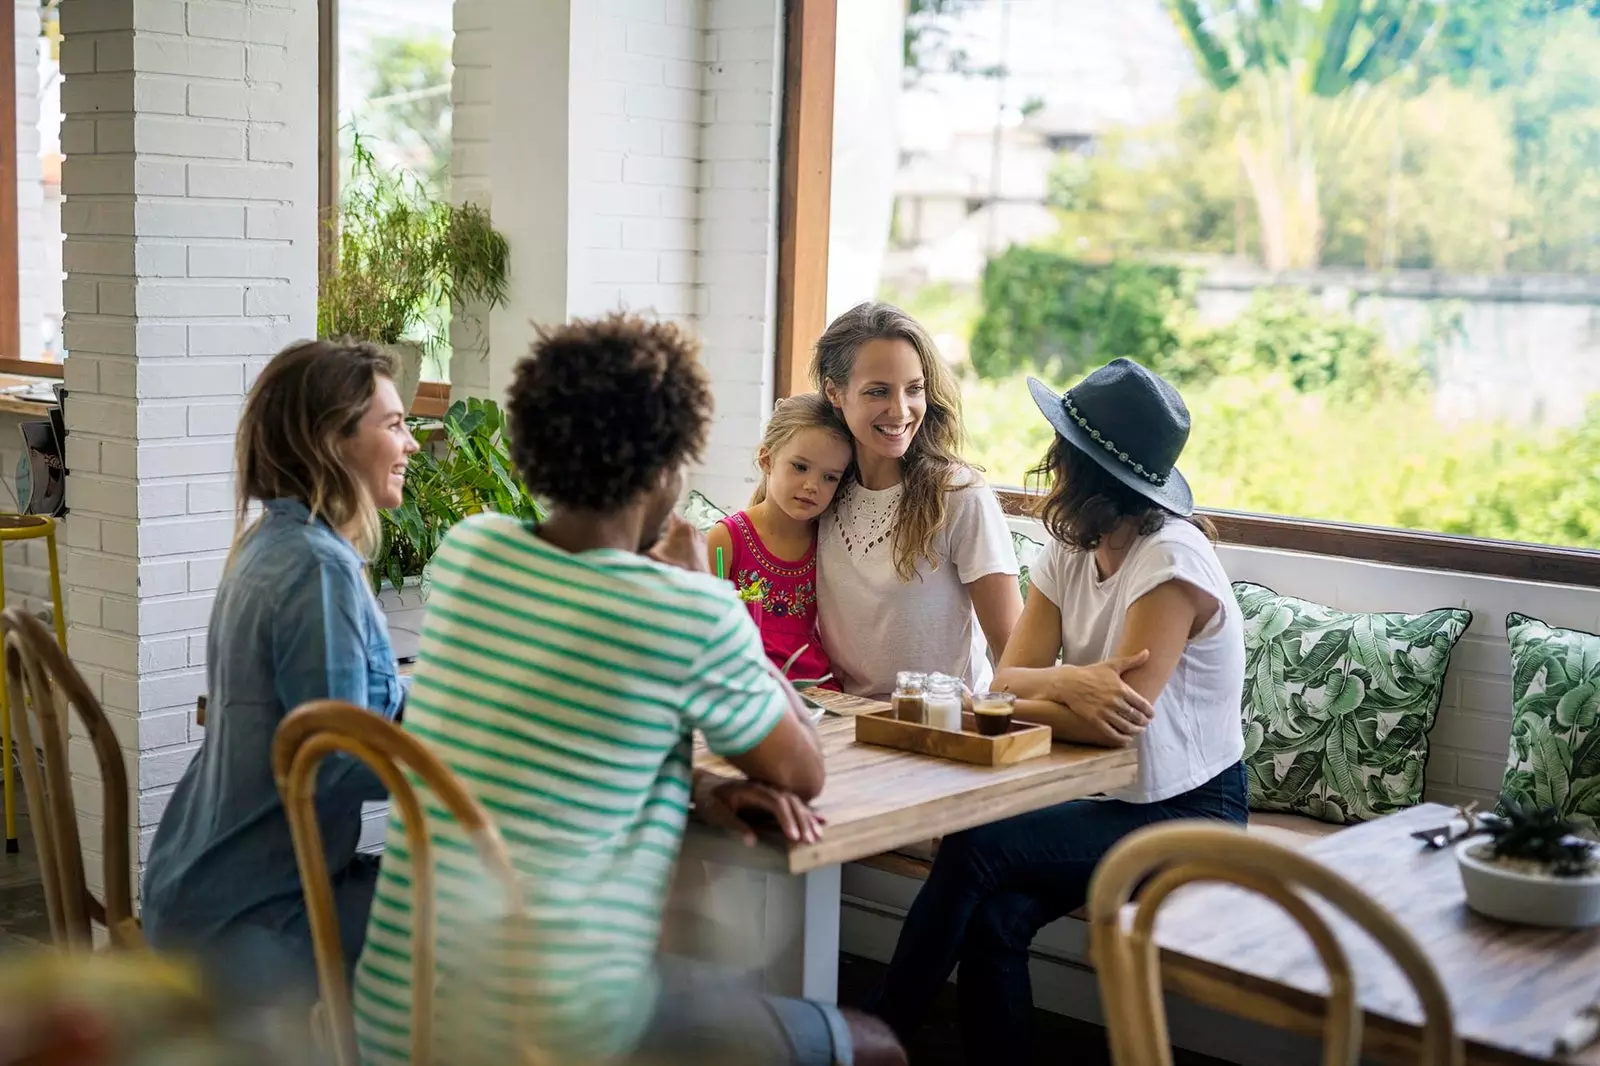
column 404, row 611
column 1527, row 899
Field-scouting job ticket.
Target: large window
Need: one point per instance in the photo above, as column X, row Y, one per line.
column 1369, row 259
column 394, row 120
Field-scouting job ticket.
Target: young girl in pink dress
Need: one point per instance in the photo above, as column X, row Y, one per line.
column 769, row 550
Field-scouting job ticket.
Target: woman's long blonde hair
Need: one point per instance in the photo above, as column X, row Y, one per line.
column 809, row 410
column 307, row 401
column 930, row 465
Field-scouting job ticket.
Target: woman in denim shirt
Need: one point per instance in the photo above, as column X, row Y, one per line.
column 322, row 445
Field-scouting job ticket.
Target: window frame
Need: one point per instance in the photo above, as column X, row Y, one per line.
column 806, row 166
column 11, row 359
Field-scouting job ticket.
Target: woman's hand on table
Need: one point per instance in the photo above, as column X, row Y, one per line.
column 1108, row 710
column 722, row 802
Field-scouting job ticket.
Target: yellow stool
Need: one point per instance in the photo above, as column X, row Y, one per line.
column 24, row 527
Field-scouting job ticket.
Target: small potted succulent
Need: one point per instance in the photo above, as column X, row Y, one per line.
column 1533, row 869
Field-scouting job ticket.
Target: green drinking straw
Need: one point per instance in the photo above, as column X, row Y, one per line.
column 720, row 574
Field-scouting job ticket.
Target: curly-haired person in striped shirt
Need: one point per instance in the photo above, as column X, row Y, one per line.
column 564, row 669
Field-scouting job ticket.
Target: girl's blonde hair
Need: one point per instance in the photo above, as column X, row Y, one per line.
column 809, row 410
column 929, row 467
column 307, row 401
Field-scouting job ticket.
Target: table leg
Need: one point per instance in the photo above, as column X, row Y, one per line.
column 789, row 922
column 803, row 915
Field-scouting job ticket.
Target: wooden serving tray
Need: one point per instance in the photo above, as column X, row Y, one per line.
column 1026, row 740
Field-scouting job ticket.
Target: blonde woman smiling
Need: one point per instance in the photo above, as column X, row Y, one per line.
column 915, row 568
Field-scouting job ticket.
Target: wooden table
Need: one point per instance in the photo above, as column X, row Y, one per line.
column 877, row 799
column 16, row 405
column 1512, row 987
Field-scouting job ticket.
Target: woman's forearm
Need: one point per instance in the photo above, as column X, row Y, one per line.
column 1036, row 682
column 1065, row 724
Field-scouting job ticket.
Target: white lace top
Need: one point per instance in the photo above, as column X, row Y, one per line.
column 873, row 624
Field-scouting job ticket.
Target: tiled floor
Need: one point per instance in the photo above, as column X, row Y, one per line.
column 23, row 921
column 1055, row 1039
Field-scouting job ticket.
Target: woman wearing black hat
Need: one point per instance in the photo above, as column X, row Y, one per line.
column 1129, row 595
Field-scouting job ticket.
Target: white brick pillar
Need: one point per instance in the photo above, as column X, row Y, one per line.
column 190, row 220
column 743, row 112
column 581, row 124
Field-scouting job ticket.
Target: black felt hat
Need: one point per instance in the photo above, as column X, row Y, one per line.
column 1131, row 422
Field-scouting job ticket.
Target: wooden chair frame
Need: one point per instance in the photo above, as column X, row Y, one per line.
column 40, row 678
column 1166, row 857
column 304, row 738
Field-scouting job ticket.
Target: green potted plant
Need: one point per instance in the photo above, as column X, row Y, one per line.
column 464, row 469
column 1533, row 870
column 402, row 260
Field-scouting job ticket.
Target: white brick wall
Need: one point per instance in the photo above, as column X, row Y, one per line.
column 471, row 119
column 742, row 115
column 667, row 197
column 190, row 218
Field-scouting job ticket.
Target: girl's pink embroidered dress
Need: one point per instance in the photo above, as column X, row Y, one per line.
column 787, row 613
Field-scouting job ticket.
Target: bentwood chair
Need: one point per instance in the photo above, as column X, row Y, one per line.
column 43, row 684
column 20, row 527
column 1155, row 861
column 304, row 738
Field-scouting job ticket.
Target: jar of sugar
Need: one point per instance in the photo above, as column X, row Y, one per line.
column 941, row 700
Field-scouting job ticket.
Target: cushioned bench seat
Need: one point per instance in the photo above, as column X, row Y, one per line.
column 1290, row 830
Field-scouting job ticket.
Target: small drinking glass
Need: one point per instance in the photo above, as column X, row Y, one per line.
column 992, row 711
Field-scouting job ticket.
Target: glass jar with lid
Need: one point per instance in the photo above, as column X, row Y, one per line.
column 942, row 702
column 907, row 703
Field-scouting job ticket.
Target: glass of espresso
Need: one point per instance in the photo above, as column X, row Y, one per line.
column 992, row 712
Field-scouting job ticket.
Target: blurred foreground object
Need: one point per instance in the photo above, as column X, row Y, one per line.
column 131, row 1008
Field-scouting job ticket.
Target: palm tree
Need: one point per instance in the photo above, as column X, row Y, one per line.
column 1302, row 78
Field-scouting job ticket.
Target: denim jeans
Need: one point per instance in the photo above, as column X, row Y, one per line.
column 994, row 887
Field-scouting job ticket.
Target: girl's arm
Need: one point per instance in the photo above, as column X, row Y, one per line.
column 998, row 603
column 717, row 537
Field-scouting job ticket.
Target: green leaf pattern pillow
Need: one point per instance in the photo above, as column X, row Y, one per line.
column 701, row 512
column 1338, row 704
column 1555, row 699
column 1027, row 550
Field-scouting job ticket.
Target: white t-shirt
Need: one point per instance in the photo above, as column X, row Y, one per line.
column 873, row 624
column 1197, row 731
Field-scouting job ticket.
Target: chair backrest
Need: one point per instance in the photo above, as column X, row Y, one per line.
column 1155, row 861
column 42, row 684
column 306, row 736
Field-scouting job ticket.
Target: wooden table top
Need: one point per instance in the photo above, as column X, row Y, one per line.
column 878, row 799
column 16, row 405
column 1512, row 987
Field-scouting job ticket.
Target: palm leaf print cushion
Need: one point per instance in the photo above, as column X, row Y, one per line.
column 1338, row 704
column 1555, row 700
column 701, row 512
column 1027, row 550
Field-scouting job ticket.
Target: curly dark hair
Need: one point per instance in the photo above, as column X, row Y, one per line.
column 1085, row 504
column 602, row 407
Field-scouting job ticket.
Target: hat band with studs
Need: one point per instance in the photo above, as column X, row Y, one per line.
column 1109, row 445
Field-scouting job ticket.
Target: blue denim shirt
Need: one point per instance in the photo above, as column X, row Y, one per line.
column 294, row 620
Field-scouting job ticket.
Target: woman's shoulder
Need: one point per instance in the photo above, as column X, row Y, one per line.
column 281, row 554
column 963, row 478
column 1181, row 546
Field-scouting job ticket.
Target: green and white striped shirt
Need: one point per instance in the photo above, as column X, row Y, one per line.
column 563, row 689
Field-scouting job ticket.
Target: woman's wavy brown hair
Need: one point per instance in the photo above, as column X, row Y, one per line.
column 929, row 467
column 306, row 403
column 808, row 410
column 1084, row 504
